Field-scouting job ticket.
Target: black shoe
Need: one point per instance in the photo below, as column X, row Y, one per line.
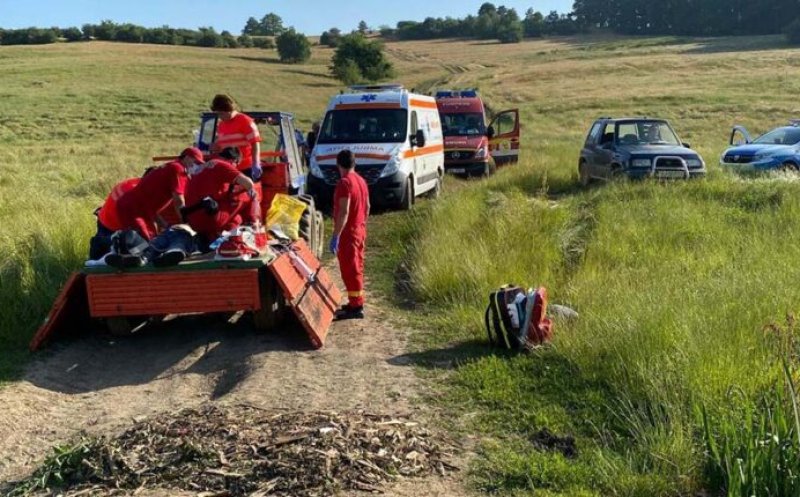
column 347, row 312
column 124, row 261
column 170, row 258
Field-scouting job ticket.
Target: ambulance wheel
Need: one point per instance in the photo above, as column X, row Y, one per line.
column 119, row 326
column 407, row 202
column 436, row 191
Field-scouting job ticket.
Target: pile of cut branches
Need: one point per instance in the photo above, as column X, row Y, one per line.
column 244, row 451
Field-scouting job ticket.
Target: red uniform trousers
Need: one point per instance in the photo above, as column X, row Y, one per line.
column 232, row 212
column 351, row 265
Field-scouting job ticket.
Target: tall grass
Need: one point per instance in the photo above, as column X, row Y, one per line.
column 673, row 281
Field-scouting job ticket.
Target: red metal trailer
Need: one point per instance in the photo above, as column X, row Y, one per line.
column 288, row 276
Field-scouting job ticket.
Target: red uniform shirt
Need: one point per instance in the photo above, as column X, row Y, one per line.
column 240, row 132
column 352, row 186
column 213, row 181
column 108, row 215
column 154, row 191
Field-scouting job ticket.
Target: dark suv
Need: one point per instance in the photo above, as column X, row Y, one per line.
column 637, row 148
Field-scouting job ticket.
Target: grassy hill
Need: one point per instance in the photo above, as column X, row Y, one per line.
column 674, row 282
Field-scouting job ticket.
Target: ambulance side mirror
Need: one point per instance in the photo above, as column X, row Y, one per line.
column 490, row 132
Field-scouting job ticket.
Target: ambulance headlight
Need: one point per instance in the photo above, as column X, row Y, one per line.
column 391, row 167
column 314, row 169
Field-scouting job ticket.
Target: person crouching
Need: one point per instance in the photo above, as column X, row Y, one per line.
column 213, row 202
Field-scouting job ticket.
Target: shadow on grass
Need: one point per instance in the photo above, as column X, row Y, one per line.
column 450, row 357
column 738, row 44
column 263, row 60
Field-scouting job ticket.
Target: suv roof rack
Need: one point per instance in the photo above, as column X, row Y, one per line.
column 377, row 88
column 469, row 93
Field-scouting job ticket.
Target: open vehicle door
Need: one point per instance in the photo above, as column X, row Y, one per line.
column 740, row 136
column 504, row 137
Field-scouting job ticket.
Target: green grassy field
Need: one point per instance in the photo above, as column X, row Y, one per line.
column 674, row 282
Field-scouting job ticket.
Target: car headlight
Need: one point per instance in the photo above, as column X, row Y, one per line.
column 761, row 156
column 481, row 153
column 694, row 162
column 314, row 169
column 391, row 167
column 641, row 163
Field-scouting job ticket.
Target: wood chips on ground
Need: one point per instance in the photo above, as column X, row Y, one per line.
column 245, row 451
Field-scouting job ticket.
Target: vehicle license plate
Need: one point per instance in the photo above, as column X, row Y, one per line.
column 670, row 174
column 458, row 170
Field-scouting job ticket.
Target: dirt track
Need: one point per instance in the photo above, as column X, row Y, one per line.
column 99, row 384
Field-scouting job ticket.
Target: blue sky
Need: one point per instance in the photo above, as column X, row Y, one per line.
column 308, row 16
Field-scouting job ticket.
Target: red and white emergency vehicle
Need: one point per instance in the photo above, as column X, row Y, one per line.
column 472, row 148
column 396, row 137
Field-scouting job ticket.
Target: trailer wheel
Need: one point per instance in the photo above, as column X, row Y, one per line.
column 119, row 326
column 306, row 229
column 273, row 305
column 319, row 224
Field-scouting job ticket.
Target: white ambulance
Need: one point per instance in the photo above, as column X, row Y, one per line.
column 396, row 137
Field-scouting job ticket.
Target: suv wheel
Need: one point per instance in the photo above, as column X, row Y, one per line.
column 583, row 174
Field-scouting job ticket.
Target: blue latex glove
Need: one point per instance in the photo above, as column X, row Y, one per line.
column 256, row 172
column 334, row 246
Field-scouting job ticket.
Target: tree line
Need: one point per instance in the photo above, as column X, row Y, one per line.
column 491, row 22
column 689, row 17
column 132, row 33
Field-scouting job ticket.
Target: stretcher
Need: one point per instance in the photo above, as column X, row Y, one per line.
column 287, row 277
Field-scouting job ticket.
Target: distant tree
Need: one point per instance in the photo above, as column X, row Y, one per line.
column 72, row 34
column 228, row 40
column 265, row 43
column 356, row 50
column 386, row 31
column 347, row 72
column 509, row 28
column 293, row 47
column 793, row 32
column 245, row 41
column 251, row 27
column 363, row 28
column 88, row 31
column 487, row 8
column 331, row 37
column 271, row 25
column 106, row 30
column 533, row 24
column 208, row 37
column 129, row 33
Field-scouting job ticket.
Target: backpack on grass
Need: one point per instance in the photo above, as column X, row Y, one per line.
column 517, row 319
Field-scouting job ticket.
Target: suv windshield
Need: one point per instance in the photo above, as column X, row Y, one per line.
column 463, row 124
column 645, row 133
column 780, row 136
column 364, row 126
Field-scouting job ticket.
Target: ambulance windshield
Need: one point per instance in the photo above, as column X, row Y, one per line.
column 463, row 124
column 364, row 126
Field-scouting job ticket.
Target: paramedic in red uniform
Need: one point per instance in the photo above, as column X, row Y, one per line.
column 350, row 212
column 108, row 219
column 138, row 209
column 215, row 180
column 237, row 130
